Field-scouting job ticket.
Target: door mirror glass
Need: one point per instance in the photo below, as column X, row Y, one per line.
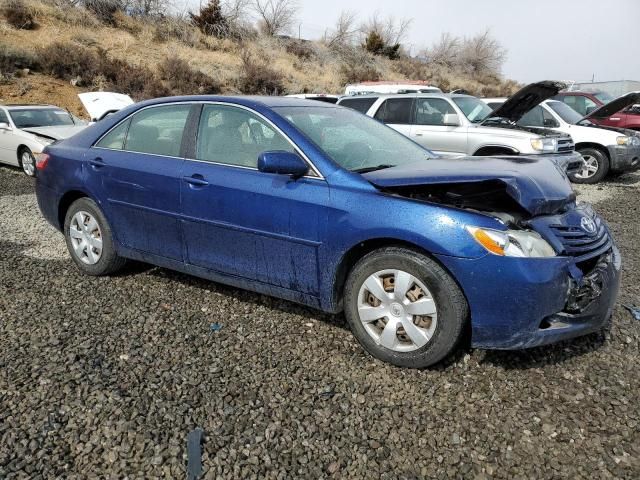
column 282, row 163
column 451, row 120
column 4, row 126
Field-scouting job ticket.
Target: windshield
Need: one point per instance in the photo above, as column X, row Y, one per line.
column 565, row 112
column 352, row 140
column 40, row 117
column 604, row 97
column 473, row 108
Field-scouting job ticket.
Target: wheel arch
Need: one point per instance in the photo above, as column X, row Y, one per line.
column 596, row 146
column 19, row 150
column 66, row 201
column 358, row 251
column 487, row 150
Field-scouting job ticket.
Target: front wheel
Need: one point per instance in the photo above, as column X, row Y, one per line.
column 89, row 239
column 595, row 167
column 27, row 162
column 404, row 308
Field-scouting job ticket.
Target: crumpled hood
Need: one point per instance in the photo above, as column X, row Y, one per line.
column 527, row 98
column 614, row 106
column 99, row 104
column 56, row 133
column 537, row 185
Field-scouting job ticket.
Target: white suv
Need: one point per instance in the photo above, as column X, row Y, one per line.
column 454, row 124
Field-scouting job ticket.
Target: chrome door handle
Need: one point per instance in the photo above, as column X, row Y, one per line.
column 196, row 180
column 97, row 163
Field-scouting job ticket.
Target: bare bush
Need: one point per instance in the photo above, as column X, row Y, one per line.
column 12, row 59
column 344, row 32
column 445, row 52
column 275, row 17
column 482, row 54
column 181, row 79
column 256, row 77
column 302, row 49
column 384, row 36
column 18, row 15
column 357, row 67
column 104, row 10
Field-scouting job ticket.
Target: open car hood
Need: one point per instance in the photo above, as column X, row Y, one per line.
column 526, row 99
column 55, row 133
column 614, row 106
column 537, row 186
column 100, row 104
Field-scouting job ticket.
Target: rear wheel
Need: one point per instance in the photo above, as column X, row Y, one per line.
column 89, row 239
column 27, row 161
column 404, row 308
column 595, row 168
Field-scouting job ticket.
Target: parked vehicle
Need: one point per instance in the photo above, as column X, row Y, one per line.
column 366, row 88
column 586, row 104
column 321, row 97
column 454, row 124
column 604, row 149
column 26, row 129
column 323, row 206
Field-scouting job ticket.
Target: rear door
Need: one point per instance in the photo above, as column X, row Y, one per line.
column 136, row 170
column 242, row 222
column 397, row 113
column 429, row 128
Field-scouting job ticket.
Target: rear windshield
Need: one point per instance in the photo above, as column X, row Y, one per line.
column 362, row 105
column 40, row 117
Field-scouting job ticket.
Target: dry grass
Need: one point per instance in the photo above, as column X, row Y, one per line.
column 300, row 68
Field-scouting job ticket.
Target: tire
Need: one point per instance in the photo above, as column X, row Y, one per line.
column 599, row 162
column 27, row 162
column 90, row 259
column 443, row 332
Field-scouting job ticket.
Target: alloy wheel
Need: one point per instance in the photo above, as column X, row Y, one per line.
column 86, row 238
column 589, row 168
column 28, row 163
column 397, row 310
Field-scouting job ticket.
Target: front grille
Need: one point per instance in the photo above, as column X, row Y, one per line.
column 565, row 145
column 578, row 243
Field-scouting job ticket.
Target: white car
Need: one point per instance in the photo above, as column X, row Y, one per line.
column 366, row 88
column 26, row 129
column 604, row 149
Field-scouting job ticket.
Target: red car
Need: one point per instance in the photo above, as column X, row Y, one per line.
column 586, row 102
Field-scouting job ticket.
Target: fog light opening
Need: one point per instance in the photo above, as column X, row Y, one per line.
column 544, row 324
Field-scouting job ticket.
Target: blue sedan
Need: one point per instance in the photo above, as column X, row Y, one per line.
column 321, row 205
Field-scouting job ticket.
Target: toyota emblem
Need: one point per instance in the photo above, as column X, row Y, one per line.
column 588, row 225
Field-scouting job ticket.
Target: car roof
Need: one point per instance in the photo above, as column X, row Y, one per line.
column 245, row 100
column 24, row 106
column 409, row 95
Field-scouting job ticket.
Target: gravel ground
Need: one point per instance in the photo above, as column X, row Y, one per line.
column 105, row 377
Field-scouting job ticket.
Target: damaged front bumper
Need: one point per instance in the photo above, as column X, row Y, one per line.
column 624, row 157
column 526, row 302
column 570, row 163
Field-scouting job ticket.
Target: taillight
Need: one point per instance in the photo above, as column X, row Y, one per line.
column 41, row 160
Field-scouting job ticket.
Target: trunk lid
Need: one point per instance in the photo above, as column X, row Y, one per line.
column 100, row 104
column 538, row 186
column 525, row 99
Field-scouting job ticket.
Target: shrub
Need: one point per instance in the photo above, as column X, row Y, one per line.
column 358, row 67
column 104, row 10
column 257, row 77
column 124, row 22
column 178, row 29
column 18, row 15
column 181, row 79
column 210, row 20
column 12, row 59
column 68, row 61
column 302, row 49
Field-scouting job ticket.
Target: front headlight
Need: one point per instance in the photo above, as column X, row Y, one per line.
column 544, row 144
column 624, row 140
column 512, row 243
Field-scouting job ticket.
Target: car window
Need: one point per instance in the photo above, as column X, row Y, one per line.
column 3, row 117
column 395, row 111
column 40, row 117
column 115, row 138
column 576, row 102
column 235, row 136
column 431, row 111
column 549, row 120
column 158, row 130
column 362, row 105
column 533, row 118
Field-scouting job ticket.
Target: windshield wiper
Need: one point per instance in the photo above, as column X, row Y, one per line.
column 373, row 169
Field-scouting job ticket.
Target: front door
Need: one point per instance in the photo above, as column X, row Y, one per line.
column 136, row 170
column 242, row 222
column 429, row 128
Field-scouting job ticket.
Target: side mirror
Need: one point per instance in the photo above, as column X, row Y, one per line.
column 282, row 163
column 590, row 109
column 4, row 126
column 451, row 120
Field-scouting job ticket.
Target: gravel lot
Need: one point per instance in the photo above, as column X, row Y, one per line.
column 105, row 377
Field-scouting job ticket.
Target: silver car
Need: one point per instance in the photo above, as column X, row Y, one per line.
column 455, row 124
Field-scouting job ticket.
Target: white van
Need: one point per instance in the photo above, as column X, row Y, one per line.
column 365, row 88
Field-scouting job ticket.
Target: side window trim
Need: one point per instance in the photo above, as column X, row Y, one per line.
column 317, row 175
